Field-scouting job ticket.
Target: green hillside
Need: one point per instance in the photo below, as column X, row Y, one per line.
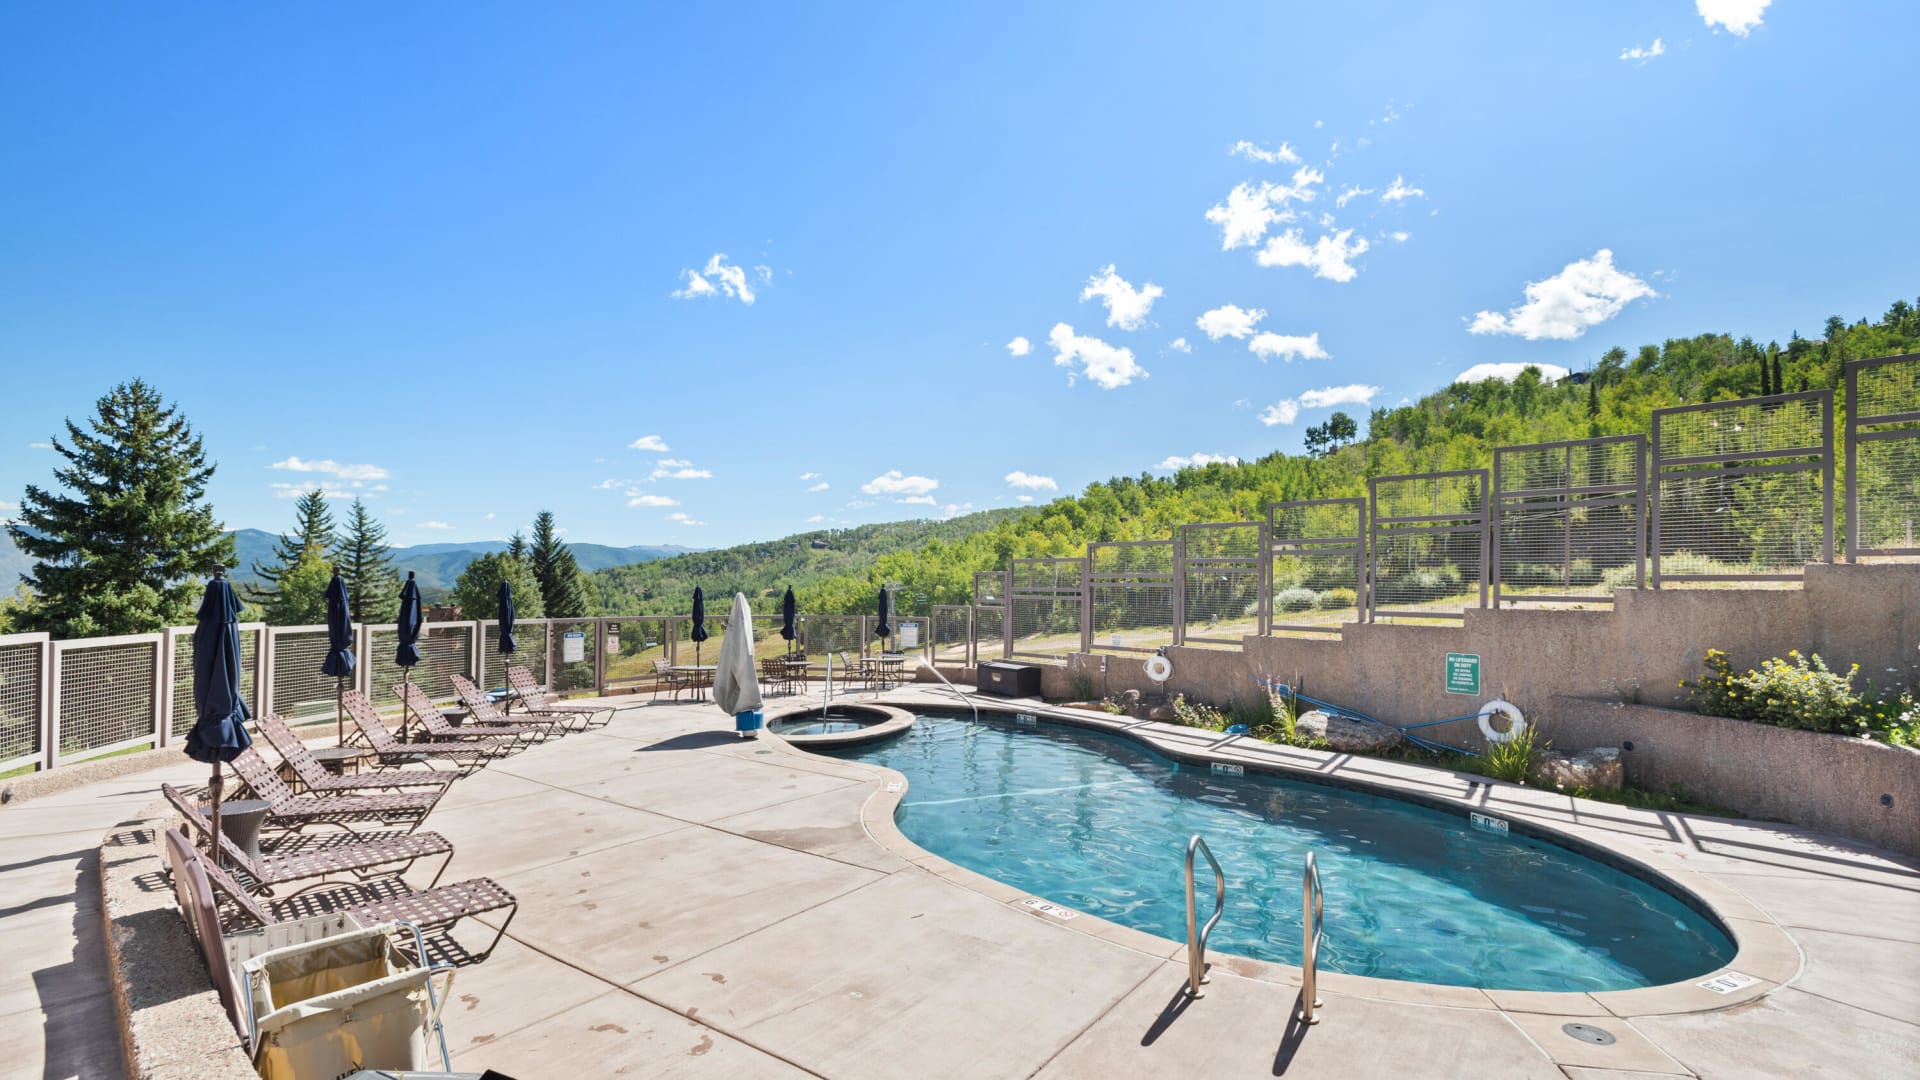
column 1453, row 428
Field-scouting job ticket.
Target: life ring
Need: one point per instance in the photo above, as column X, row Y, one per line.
column 1516, row 722
column 1159, row 668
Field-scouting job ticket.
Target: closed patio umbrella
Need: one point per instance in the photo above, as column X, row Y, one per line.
column 504, row 602
column 789, row 616
column 407, row 653
column 735, row 689
column 339, row 661
column 220, row 711
column 880, row 627
column 699, row 631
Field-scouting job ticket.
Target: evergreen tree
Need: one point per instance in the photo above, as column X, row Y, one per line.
column 562, row 590
column 312, row 528
column 517, row 545
column 1778, row 386
column 477, row 588
column 119, row 550
column 300, row 598
column 365, row 561
column 1593, row 399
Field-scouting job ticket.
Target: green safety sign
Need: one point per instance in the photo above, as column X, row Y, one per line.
column 1463, row 673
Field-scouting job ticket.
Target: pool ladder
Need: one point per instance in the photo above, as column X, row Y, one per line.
column 1311, row 917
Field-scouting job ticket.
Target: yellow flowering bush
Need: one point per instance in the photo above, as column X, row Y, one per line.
column 1796, row 691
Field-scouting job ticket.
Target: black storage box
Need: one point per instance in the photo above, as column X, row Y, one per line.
column 1006, row 679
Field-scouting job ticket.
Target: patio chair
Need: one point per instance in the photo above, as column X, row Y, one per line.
column 321, row 862
column 479, row 731
column 295, row 812
column 317, row 780
column 856, row 670
column 665, row 677
column 776, row 672
column 429, row 909
column 394, row 753
column 535, row 699
column 482, row 710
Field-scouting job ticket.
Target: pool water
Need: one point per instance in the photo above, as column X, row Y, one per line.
column 1100, row 823
column 814, row 726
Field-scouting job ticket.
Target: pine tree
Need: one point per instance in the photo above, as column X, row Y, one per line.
column 517, row 545
column 365, row 561
column 312, row 528
column 1778, row 386
column 119, row 550
column 562, row 590
column 477, row 589
column 1593, row 399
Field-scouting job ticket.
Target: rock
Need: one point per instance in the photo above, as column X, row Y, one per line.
column 1163, row 714
column 1129, row 700
column 1347, row 735
column 1598, row 768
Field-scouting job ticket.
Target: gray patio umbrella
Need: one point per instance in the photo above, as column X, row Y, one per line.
column 699, row 631
column 735, row 688
column 407, row 653
column 339, row 661
column 220, row 711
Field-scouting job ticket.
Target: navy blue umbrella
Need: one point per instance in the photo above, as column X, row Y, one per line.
column 504, row 601
column 880, row 628
column 220, row 712
column 699, row 633
column 339, row 661
column 788, row 616
column 408, row 652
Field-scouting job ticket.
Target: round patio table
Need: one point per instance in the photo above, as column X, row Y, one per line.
column 240, row 822
column 699, row 687
column 335, row 759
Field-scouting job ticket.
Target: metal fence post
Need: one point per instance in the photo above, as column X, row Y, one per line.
column 600, row 657
column 1826, row 480
column 49, row 704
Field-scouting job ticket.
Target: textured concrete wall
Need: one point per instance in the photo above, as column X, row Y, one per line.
column 1865, row 790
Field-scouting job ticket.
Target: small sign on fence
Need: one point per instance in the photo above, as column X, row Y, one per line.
column 573, row 647
column 908, row 637
column 613, row 637
column 1463, row 673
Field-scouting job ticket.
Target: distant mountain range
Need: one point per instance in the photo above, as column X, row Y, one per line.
column 435, row 566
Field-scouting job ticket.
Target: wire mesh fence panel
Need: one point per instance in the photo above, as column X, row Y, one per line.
column 529, row 651
column 1222, row 582
column 1569, row 520
column 1317, row 568
column 1131, row 587
column 107, row 693
column 1883, row 456
column 824, row 635
column 300, row 691
column 575, row 644
column 1743, row 490
column 635, row 653
column 180, row 708
column 989, row 615
column 1427, row 544
column 1044, row 600
column 21, row 701
column 446, row 650
column 952, row 634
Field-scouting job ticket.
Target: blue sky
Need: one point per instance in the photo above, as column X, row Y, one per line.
column 433, row 250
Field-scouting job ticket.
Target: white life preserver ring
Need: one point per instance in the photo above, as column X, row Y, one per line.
column 1159, row 668
column 1516, row 722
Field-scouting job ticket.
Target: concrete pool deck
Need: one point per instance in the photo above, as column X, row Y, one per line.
column 699, row 905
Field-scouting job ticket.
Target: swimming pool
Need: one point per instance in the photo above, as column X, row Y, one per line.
column 1100, row 823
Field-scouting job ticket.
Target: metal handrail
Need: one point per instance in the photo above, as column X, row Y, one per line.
column 1197, row 935
column 1310, row 918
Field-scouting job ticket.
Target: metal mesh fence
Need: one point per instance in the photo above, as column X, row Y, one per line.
column 1223, row 582
column 1317, row 574
column 1429, row 536
column 989, row 615
column 180, row 696
column 1569, row 520
column 1131, row 595
column 106, row 694
column 1743, row 490
column 952, row 633
column 1883, row 456
column 634, row 654
column 577, row 638
column 20, row 703
column 529, row 651
column 446, row 650
column 300, row 691
column 821, row 635
column 1044, row 605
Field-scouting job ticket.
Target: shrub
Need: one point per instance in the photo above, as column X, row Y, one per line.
column 1512, row 760
column 1797, row 692
column 1292, row 600
column 1080, row 686
column 1198, row 715
column 1336, row 599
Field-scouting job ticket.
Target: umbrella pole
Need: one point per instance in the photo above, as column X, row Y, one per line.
column 213, row 791
column 340, row 711
column 406, row 711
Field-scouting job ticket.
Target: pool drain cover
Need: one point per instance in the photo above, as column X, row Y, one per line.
column 1587, row 1033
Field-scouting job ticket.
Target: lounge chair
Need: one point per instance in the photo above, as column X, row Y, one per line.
column 534, row 699
column 317, row 780
column 295, row 812
column 393, row 753
column 321, row 862
column 484, row 715
column 504, row 737
column 429, row 909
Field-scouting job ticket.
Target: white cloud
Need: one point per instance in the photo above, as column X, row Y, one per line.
column 1250, row 207
column 1400, row 191
column 1019, row 347
column 1127, row 307
column 1179, row 344
column 1483, row 372
column 678, row 469
column 1229, row 320
column 1031, row 482
column 1023, row 498
column 39, row 446
column 328, row 489
column 1738, row 16
column 609, row 485
column 489, row 517
column 433, row 525
column 652, row 500
column 1644, row 54
column 1350, row 194
column 952, row 510
column 1329, row 257
column 1587, row 293
column 821, row 486
column 8, row 506
column 1177, row 462
column 683, row 519
column 815, row 519
column 1353, row 394
column 809, row 476
column 718, row 277
column 649, row 442
column 893, row 482
column 1399, row 237
column 1107, row 365
column 1280, row 412
column 1252, row 152
column 1268, row 345
column 330, row 467
column 918, row 500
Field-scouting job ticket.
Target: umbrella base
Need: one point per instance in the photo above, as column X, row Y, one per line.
column 748, row 724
